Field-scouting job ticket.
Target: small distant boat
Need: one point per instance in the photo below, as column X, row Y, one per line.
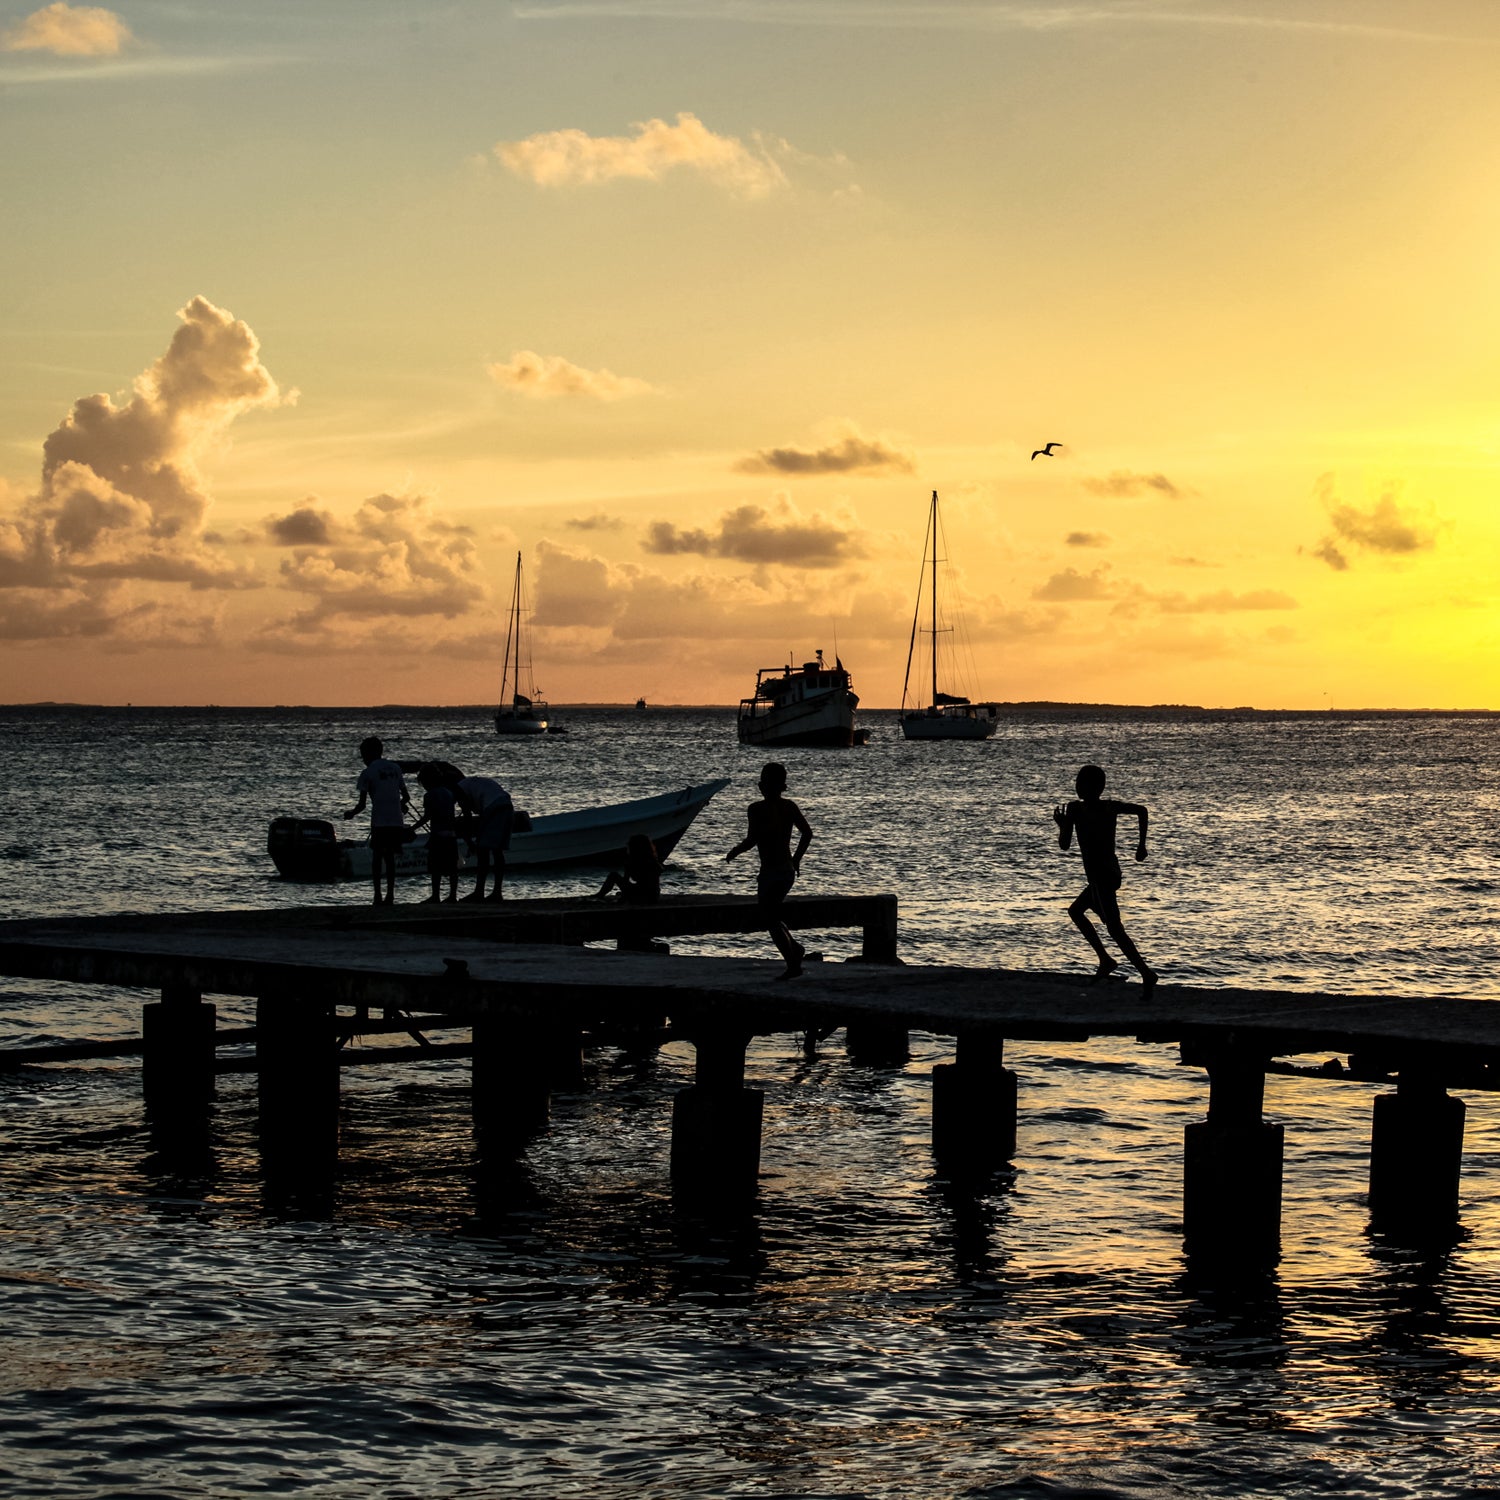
column 947, row 716
column 519, row 713
column 640, row 703
column 808, row 705
column 309, row 849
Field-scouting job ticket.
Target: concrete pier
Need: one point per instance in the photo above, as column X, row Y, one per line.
column 716, row 1121
column 1416, row 1154
column 974, row 1105
column 1231, row 1186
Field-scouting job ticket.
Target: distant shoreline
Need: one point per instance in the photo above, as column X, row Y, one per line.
column 1038, row 708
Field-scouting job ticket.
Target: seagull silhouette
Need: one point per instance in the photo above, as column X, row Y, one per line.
column 1044, row 452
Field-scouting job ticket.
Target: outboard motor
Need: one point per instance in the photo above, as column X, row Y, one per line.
column 304, row 848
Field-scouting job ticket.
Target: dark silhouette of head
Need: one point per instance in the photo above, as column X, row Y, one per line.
column 1090, row 783
column 773, row 777
column 639, row 847
column 370, row 749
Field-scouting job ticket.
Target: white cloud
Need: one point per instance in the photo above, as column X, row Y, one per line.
column 69, row 31
column 546, row 377
column 572, row 158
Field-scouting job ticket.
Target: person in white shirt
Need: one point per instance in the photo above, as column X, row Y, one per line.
column 382, row 783
column 489, row 804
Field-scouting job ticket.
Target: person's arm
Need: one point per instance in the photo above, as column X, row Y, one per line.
column 1142, row 818
column 359, row 806
column 747, row 843
column 1063, row 817
column 804, row 837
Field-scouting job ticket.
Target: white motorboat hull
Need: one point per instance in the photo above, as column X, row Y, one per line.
column 826, row 719
column 306, row 849
column 946, row 726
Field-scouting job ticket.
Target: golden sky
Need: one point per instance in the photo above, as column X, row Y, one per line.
column 312, row 315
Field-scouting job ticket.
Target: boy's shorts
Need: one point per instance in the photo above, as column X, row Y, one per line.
column 387, row 840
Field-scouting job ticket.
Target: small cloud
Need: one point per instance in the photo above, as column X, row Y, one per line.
column 69, row 31
column 752, row 533
column 596, row 522
column 304, row 527
column 573, row 158
column 1086, row 539
column 546, row 377
column 1192, row 562
column 1123, row 482
column 1387, row 527
column 1071, row 586
column 1224, row 602
column 853, row 453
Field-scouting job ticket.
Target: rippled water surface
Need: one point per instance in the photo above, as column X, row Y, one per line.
column 554, row 1326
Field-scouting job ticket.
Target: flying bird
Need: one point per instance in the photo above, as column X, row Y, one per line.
column 1044, row 452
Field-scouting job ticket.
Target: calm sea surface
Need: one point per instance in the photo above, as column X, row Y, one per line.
column 869, row 1330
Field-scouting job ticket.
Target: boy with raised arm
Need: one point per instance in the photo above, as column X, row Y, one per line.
column 1093, row 819
column 770, row 835
column 383, row 786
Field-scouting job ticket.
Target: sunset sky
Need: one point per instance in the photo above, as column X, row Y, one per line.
column 312, row 315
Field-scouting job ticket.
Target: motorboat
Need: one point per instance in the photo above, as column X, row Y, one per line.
column 945, row 716
column 309, row 849
column 519, row 713
column 808, row 705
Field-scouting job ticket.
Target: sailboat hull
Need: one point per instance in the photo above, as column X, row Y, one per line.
column 514, row 724
column 943, row 726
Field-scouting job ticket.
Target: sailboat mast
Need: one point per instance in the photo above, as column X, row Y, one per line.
column 933, row 524
column 512, row 621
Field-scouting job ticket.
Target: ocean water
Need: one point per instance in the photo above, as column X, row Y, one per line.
column 555, row 1326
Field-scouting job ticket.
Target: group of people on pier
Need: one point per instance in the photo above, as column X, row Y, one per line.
column 480, row 810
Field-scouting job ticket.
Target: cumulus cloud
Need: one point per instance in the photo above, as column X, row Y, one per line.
column 755, row 534
column 546, row 377
column 571, row 158
column 121, row 497
column 1122, row 482
column 395, row 558
column 1386, row 527
column 1086, row 539
column 1070, row 586
column 307, row 526
column 852, row 454
column 69, row 31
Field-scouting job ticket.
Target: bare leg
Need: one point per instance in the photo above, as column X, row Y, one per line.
column 1078, row 911
column 390, row 879
column 498, row 893
column 788, row 947
column 477, row 894
column 1129, row 949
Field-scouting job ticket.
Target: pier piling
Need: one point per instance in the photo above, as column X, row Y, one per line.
column 512, row 1086
column 296, row 1051
column 974, row 1105
column 1231, row 1190
column 1416, row 1153
column 716, row 1120
column 177, row 1050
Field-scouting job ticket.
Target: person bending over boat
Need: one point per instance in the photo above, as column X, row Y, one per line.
column 639, row 884
column 771, row 823
column 440, row 814
column 1093, row 819
column 490, row 812
column 383, row 784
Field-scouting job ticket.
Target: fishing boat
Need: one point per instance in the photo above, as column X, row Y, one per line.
column 309, row 849
column 946, row 716
column 519, row 713
column 808, row 705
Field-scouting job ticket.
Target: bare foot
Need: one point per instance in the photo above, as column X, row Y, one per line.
column 473, row 896
column 1106, row 971
column 1148, row 983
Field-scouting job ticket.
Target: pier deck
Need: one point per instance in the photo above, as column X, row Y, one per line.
column 518, row 976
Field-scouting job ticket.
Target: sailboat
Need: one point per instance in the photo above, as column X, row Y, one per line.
column 946, row 716
column 518, row 713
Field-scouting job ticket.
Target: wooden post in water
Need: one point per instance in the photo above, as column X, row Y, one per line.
column 1416, row 1152
column 880, row 931
column 1231, row 1187
column 296, row 1055
column 512, row 1089
column 562, row 1057
column 974, row 1105
column 177, row 1050
column 716, row 1121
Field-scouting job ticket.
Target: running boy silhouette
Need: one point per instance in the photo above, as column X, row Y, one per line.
column 1093, row 818
column 770, row 835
